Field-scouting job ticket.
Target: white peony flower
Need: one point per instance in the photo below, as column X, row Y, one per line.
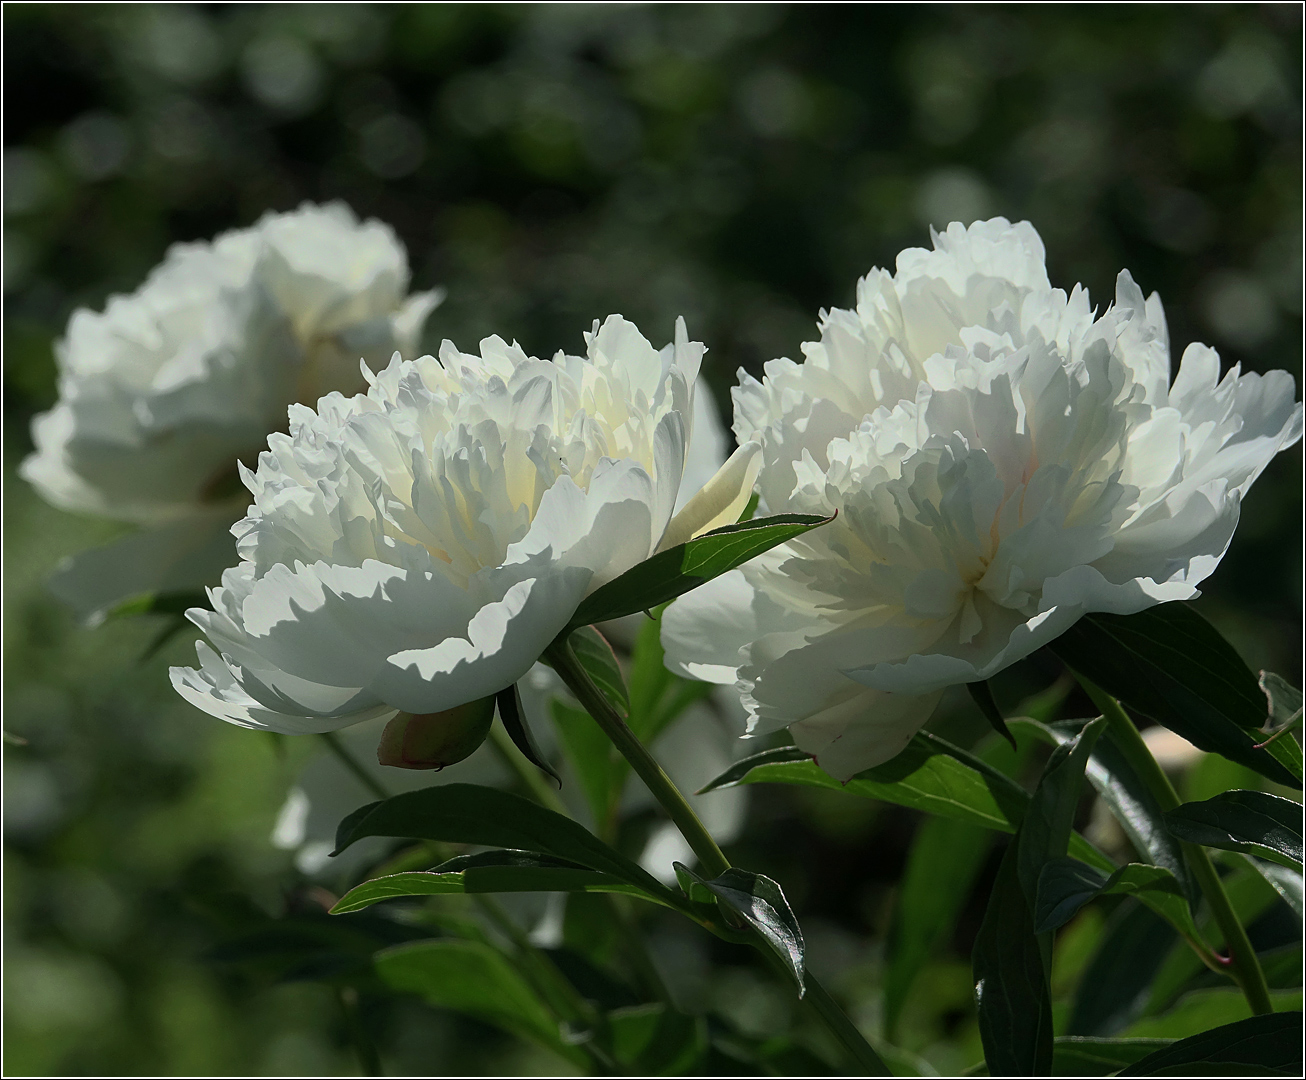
column 1002, row 462
column 162, row 393
column 418, row 546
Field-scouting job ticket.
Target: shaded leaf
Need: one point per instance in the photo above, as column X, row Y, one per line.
column 762, row 903
column 168, row 603
column 1259, row 1045
column 945, row 857
column 474, row 978
column 1285, row 881
column 598, row 659
column 656, row 1040
column 1091, row 1055
column 1046, row 828
column 1283, row 699
column 982, row 695
column 657, row 695
column 1253, row 822
column 1066, row 885
column 1011, row 983
column 470, row 814
column 1129, row 799
column 1172, row 665
column 513, row 717
column 598, row 767
column 686, row 566
column 1116, row 984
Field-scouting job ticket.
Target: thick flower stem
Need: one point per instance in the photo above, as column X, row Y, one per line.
column 1243, row 966
column 646, row 767
column 710, row 856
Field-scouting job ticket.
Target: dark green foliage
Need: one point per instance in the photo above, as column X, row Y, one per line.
column 1169, row 663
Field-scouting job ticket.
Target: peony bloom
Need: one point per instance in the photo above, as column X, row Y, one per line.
column 417, row 547
column 162, row 393
column 1002, row 460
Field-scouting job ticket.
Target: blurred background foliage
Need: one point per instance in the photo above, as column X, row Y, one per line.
column 741, row 165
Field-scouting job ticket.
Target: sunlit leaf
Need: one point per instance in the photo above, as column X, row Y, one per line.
column 1253, row 822
column 930, row 775
column 763, row 905
column 686, row 566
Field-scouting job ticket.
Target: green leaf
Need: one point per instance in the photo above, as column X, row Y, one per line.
column 473, row 978
column 763, row 905
column 168, row 603
column 391, row 886
column 1115, row 986
column 1130, row 800
column 1066, row 885
column 489, row 872
column 530, row 871
column 1284, row 699
column 1202, row 1010
column 1011, row 983
column 1045, row 831
column 1172, row 665
column 656, row 1040
column 657, row 696
column 1287, row 883
column 470, row 814
column 1259, row 1045
column 945, row 857
column 930, row 775
column 686, row 566
column 597, row 658
column 591, row 753
column 1253, row 822
column 513, row 717
column 750, row 508
column 982, row 695
column 1091, row 1055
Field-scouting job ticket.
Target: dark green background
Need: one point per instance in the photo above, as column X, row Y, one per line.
column 740, row 165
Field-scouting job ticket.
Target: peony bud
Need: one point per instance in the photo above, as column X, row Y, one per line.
column 434, row 740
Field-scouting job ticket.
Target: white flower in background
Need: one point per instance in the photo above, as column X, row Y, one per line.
column 165, row 390
column 1002, row 462
column 418, row 546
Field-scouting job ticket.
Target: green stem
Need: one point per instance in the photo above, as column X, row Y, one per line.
column 347, row 760
column 543, row 793
column 819, row 1000
column 1243, row 965
column 646, row 767
column 710, row 857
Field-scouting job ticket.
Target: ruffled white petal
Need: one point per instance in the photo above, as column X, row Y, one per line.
column 1002, row 462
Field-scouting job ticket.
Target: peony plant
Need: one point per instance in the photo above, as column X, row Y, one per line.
column 970, row 466
column 166, row 389
column 1002, row 460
